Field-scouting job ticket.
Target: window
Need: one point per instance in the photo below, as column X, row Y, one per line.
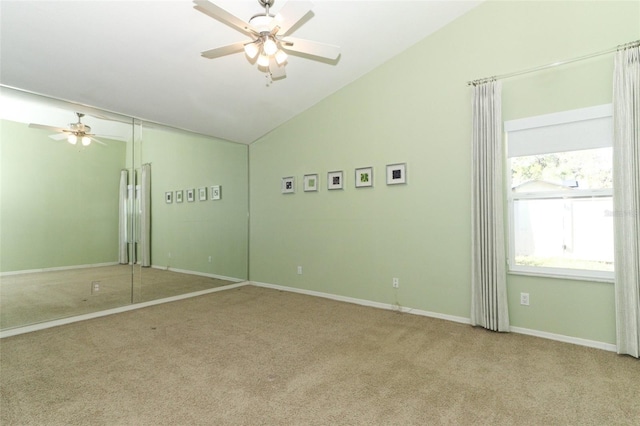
column 560, row 194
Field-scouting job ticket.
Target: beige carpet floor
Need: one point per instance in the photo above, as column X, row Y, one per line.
column 44, row 296
column 255, row 356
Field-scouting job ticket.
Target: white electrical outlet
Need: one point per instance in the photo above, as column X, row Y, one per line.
column 95, row 286
column 299, row 270
column 524, row 299
column 396, row 283
column 209, row 259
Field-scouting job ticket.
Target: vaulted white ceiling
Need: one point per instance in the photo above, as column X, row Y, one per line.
column 142, row 58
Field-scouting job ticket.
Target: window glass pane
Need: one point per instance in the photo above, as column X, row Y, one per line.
column 585, row 169
column 575, row 233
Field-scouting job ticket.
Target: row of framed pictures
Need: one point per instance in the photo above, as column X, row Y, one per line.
column 396, row 174
column 214, row 193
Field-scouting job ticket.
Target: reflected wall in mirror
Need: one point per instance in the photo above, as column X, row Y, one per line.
column 59, row 210
column 201, row 244
column 70, row 241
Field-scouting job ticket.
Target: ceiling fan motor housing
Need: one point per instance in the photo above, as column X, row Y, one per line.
column 79, row 128
column 262, row 23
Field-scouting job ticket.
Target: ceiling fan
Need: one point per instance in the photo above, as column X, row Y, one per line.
column 76, row 132
column 269, row 36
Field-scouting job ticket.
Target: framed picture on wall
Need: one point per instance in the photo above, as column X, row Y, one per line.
column 202, row 193
column 191, row 195
column 396, row 173
column 288, row 185
column 310, row 183
column 334, row 180
column 216, row 192
column 179, row 196
column 168, row 197
column 364, row 177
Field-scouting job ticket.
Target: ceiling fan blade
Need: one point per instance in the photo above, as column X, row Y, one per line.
column 97, row 141
column 42, row 126
column 59, row 136
column 312, row 48
column 224, row 50
column 277, row 71
column 216, row 12
column 113, row 137
column 290, row 14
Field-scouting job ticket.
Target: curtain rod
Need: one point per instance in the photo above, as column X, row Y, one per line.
column 555, row 64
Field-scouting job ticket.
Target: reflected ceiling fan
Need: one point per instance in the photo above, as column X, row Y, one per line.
column 77, row 132
column 269, row 36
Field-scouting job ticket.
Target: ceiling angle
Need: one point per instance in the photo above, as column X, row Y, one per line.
column 269, row 39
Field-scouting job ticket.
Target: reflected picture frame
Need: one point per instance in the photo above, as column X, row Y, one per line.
column 288, row 185
column 191, row 195
column 215, row 192
column 364, row 177
column 179, row 196
column 396, row 173
column 202, row 193
column 168, row 197
column 335, row 180
column 310, row 183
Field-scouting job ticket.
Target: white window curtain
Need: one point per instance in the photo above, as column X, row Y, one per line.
column 488, row 263
column 123, row 253
column 626, row 197
column 145, row 216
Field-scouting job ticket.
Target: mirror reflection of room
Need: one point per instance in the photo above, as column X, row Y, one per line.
column 84, row 224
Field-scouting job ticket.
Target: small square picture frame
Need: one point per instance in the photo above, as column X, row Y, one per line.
column 310, row 183
column 168, row 197
column 364, row 177
column 191, row 195
column 179, row 196
column 202, row 193
column 335, row 180
column 215, row 192
column 396, row 173
column 288, row 185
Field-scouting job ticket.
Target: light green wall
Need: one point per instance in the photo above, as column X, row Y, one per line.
column 184, row 235
column 58, row 202
column 416, row 109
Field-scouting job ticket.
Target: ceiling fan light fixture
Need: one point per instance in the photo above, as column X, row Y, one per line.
column 263, row 60
column 86, row 140
column 270, row 47
column 251, row 49
column 281, row 57
column 72, row 139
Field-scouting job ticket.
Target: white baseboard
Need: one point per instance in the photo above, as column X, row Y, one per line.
column 364, row 302
column 69, row 320
column 97, row 265
column 462, row 320
column 566, row 339
column 201, row 274
column 58, row 268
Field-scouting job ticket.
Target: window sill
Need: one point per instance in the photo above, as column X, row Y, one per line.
column 562, row 276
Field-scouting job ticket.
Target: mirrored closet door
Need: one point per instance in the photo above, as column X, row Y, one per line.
column 192, row 213
column 60, row 218
column 99, row 211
